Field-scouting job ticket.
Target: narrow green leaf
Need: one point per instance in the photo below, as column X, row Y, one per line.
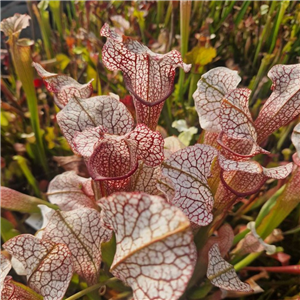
column 108, row 250
column 241, row 13
column 20, row 50
column 268, row 206
column 7, row 230
column 55, row 8
column 28, row 174
column 285, row 203
column 62, row 60
column 200, row 292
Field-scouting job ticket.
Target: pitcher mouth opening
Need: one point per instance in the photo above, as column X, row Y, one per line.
column 251, row 154
column 103, row 178
column 147, row 103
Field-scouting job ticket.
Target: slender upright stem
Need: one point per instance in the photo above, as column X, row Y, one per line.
column 160, row 12
column 193, row 86
column 91, row 289
column 283, row 7
column 264, row 32
column 22, row 162
column 42, row 16
column 266, row 61
column 247, row 261
column 185, row 15
column 20, row 50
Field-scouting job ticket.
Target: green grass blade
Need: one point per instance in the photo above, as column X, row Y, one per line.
column 242, row 12
column 278, row 23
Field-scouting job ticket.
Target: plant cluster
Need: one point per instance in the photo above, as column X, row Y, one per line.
column 150, row 212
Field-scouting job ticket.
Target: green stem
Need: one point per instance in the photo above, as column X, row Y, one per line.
column 267, row 209
column 22, row 162
column 292, row 44
column 217, row 12
column 200, row 240
column 160, row 12
column 247, row 261
column 21, row 57
column 240, row 236
column 50, row 205
column 285, row 135
column 201, row 236
column 195, row 10
column 283, row 7
column 167, row 116
column 250, row 258
column 241, row 13
column 91, row 289
column 185, row 14
column 42, row 16
column 141, row 21
column 212, row 8
column 264, row 32
column 193, row 86
column 168, row 14
column 57, row 15
column 226, row 11
column 122, row 295
column 266, row 61
column 74, row 14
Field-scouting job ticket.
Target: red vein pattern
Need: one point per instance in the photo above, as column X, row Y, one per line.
column 150, row 144
column 148, row 76
column 63, row 86
column 284, row 103
column 238, row 149
column 189, row 169
column 296, row 138
column 113, row 162
column 113, row 158
column 244, row 178
column 224, row 241
column 84, row 142
column 155, row 252
column 48, row 265
column 166, row 185
column 238, row 135
column 5, row 267
column 81, row 231
column 235, row 117
column 244, row 166
column 106, row 111
column 280, row 172
column 210, row 138
column 70, row 191
column 250, row 244
column 254, row 167
column 16, row 291
column 211, row 89
column 145, row 179
column 222, row 274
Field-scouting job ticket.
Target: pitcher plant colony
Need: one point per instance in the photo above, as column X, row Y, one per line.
column 147, row 218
